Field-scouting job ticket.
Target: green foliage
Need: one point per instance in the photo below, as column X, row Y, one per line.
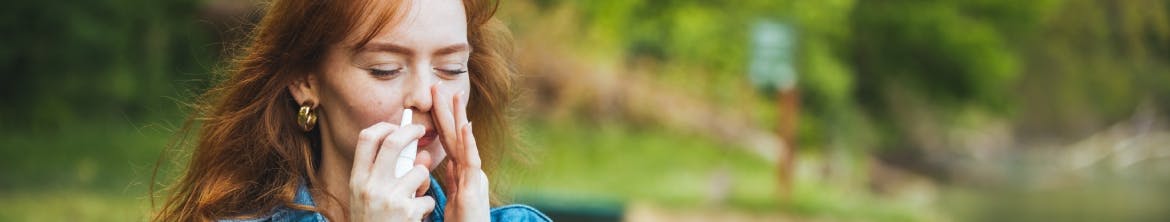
column 701, row 46
column 946, row 50
column 106, row 59
column 1092, row 62
column 90, row 97
column 1065, row 67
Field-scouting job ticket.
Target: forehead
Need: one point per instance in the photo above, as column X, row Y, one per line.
column 426, row 25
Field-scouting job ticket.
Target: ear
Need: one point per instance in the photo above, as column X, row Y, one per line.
column 305, row 90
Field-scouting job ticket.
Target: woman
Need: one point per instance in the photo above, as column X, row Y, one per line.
column 304, row 127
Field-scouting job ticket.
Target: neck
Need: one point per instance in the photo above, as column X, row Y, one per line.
column 333, row 177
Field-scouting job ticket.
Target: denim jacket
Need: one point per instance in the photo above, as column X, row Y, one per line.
column 508, row 213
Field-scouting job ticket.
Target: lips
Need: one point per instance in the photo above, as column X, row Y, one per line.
column 427, row 138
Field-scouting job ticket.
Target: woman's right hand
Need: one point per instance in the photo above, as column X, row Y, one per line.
column 375, row 194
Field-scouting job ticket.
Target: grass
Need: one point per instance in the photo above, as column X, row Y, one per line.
column 608, row 164
column 72, row 205
column 81, row 171
column 614, row 162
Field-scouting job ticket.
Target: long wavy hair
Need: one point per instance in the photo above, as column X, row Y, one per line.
column 250, row 156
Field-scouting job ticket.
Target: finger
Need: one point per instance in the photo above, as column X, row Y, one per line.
column 455, row 151
column 449, row 176
column 366, row 148
column 413, row 180
column 459, row 102
column 444, row 116
column 425, row 205
column 461, row 120
column 472, row 150
column 424, row 159
column 460, row 111
column 387, row 157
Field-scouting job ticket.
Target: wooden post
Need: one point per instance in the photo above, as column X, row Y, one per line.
column 789, row 118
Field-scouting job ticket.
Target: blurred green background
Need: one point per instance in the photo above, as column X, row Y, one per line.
column 643, row 110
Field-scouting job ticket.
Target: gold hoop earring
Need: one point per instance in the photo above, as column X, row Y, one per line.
column 307, row 117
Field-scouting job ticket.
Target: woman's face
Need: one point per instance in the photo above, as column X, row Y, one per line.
column 394, row 71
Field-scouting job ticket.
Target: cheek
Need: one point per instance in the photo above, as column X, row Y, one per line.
column 356, row 104
column 366, row 109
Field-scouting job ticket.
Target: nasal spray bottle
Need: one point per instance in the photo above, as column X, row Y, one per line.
column 406, row 157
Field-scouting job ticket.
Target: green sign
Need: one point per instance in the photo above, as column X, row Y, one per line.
column 771, row 65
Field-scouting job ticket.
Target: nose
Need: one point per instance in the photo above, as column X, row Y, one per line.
column 418, row 90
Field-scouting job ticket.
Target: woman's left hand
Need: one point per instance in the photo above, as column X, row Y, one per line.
column 464, row 179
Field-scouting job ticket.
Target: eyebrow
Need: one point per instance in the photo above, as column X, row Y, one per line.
column 393, row 48
column 384, row 47
column 452, row 49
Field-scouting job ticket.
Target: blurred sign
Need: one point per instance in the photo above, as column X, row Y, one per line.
column 771, row 65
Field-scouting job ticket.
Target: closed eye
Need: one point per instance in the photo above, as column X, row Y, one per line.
column 452, row 71
column 384, row 73
column 385, row 70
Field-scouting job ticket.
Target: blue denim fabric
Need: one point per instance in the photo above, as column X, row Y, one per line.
column 508, row 213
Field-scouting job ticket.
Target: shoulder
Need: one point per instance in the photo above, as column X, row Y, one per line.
column 517, row 213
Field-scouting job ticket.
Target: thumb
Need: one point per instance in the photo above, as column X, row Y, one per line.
column 423, row 158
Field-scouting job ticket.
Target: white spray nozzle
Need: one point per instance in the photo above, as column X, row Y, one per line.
column 406, row 158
